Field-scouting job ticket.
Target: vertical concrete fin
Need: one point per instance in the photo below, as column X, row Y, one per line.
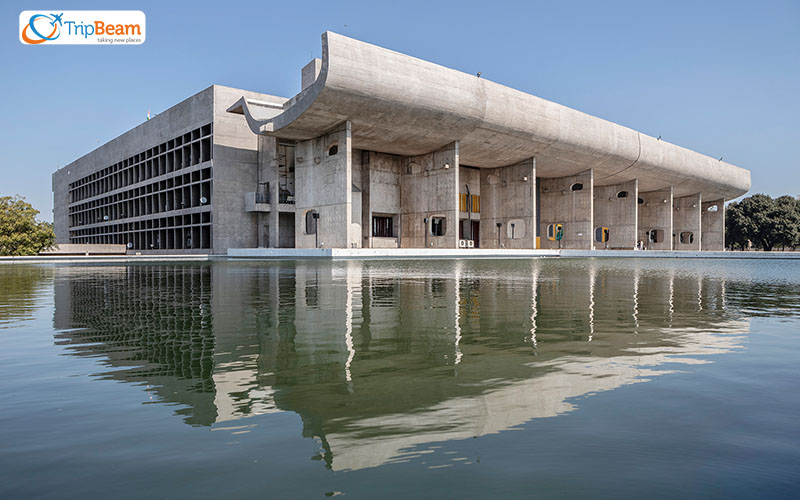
column 687, row 232
column 323, row 184
column 567, row 201
column 508, row 198
column 429, row 196
column 655, row 219
column 615, row 208
column 712, row 219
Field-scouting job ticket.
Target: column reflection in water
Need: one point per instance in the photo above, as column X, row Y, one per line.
column 379, row 358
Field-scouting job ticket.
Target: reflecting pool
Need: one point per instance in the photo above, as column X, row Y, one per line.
column 450, row 378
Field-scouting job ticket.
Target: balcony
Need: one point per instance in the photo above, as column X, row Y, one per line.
column 256, row 202
column 260, row 202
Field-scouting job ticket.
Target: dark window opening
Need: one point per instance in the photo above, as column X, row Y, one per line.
column 641, row 201
column 655, row 235
column 333, row 150
column 622, row 194
column 438, row 226
column 311, row 222
column 382, row 227
column 577, row 186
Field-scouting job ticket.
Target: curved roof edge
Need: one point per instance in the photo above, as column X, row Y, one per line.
column 402, row 105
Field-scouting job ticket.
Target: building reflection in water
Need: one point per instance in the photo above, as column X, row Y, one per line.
column 379, row 358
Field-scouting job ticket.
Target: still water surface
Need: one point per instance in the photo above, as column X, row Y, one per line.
column 443, row 379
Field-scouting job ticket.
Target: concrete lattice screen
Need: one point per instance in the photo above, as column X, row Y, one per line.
column 173, row 178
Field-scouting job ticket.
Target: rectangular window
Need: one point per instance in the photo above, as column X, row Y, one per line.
column 469, row 203
column 382, row 227
column 438, row 226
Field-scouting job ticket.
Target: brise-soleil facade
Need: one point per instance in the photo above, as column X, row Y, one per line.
column 383, row 150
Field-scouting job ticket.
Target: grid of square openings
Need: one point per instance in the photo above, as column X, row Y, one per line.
column 184, row 151
column 177, row 232
column 181, row 181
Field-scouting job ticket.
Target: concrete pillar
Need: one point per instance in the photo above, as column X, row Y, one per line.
column 357, row 201
column 686, row 230
column 429, row 190
column 268, row 172
column 655, row 214
column 380, row 194
column 568, row 201
column 323, row 183
column 366, row 209
column 508, row 196
column 712, row 224
column 615, row 207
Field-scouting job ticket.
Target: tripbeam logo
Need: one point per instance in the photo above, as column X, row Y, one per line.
column 82, row 27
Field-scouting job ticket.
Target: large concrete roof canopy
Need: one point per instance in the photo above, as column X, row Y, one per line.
column 403, row 105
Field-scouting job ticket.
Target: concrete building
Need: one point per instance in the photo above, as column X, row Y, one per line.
column 380, row 149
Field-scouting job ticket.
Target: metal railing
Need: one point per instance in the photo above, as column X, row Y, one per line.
column 285, row 196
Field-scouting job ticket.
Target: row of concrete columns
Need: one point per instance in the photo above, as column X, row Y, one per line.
column 422, row 194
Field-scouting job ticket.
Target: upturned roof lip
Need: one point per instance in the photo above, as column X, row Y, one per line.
column 399, row 104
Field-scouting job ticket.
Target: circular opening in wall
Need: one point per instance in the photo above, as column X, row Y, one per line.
column 577, row 186
column 641, row 201
column 333, row 150
column 713, row 208
column 622, row 194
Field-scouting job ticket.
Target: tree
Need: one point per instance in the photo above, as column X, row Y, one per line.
column 785, row 221
column 20, row 232
column 735, row 227
column 765, row 222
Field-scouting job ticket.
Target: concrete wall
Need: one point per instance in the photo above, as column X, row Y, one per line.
column 619, row 215
column 655, row 212
column 380, row 193
column 508, row 194
column 323, row 182
column 712, row 225
column 559, row 204
column 686, row 219
column 429, row 188
column 236, row 171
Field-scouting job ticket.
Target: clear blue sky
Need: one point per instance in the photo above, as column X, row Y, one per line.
column 721, row 78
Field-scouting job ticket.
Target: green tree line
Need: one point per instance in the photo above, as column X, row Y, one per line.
column 761, row 222
column 20, row 232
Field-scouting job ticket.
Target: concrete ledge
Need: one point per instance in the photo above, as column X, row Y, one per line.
column 84, row 249
column 676, row 254
column 480, row 253
column 104, row 259
column 385, row 253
